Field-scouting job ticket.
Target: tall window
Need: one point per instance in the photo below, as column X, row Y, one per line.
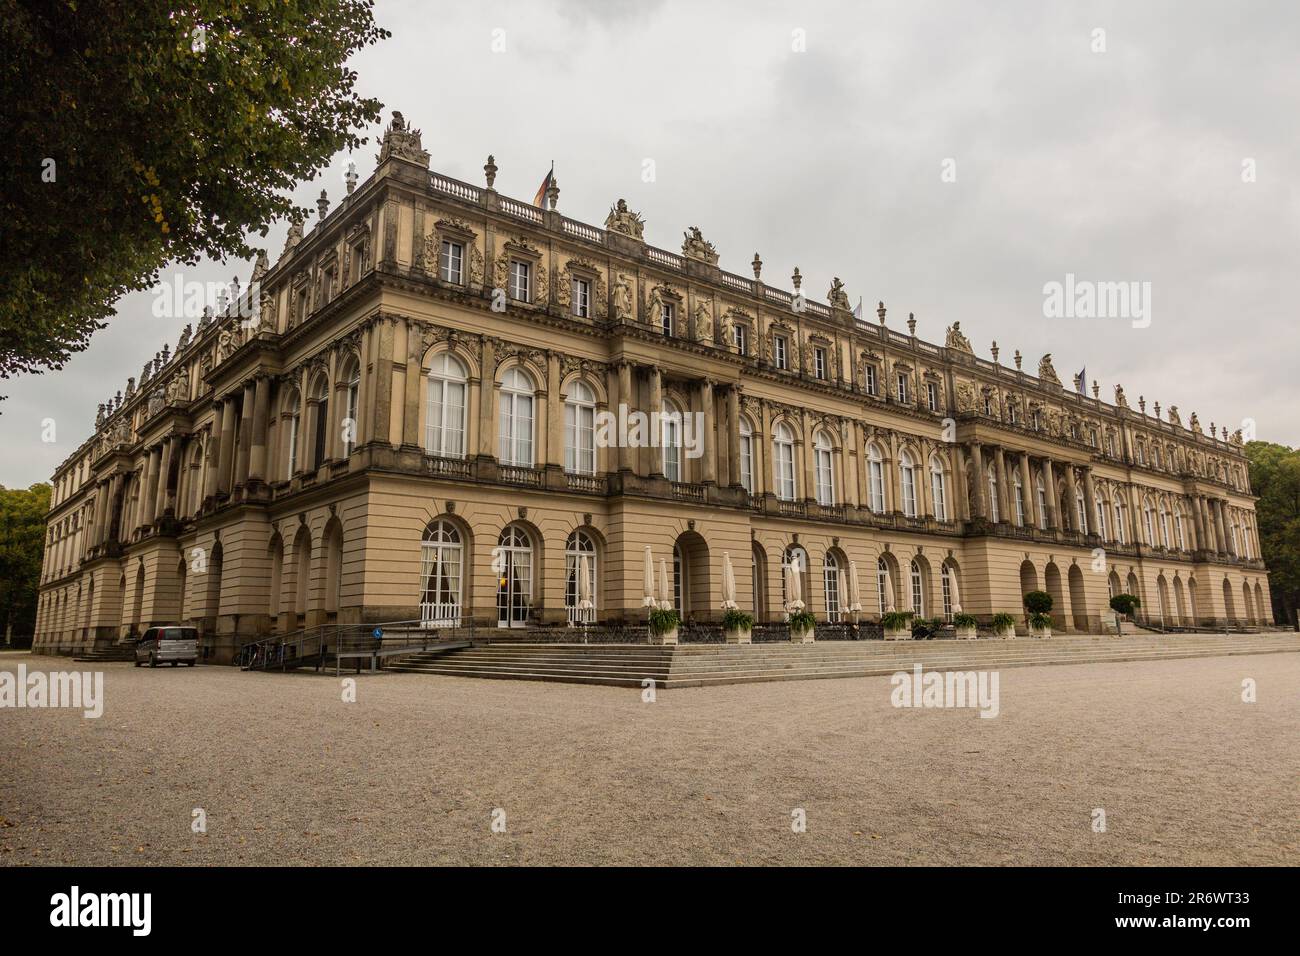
column 875, row 479
column 780, row 352
column 945, row 584
column 741, row 337
column 321, row 423
column 992, row 481
column 1148, row 517
column 580, row 546
column 515, row 425
column 351, row 400
column 451, row 262
column 902, row 388
column 295, row 423
column 521, row 278
column 819, row 362
column 938, row 488
column 824, row 469
column 932, row 396
column 1178, row 529
column 1101, row 517
column 1164, row 525
column 1081, row 509
column 580, row 430
column 441, row 560
column 871, row 379
column 907, row 472
column 1120, row 522
column 831, row 586
column 783, row 462
column 882, row 582
column 667, row 315
column 671, row 439
column 581, row 298
column 1040, row 496
column 918, row 598
column 514, row 557
column 746, row 456
column 1019, row 489
column 444, row 429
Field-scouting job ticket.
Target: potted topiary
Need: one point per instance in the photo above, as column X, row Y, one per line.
column 802, row 627
column 965, row 625
column 1004, row 625
column 737, row 627
column 897, row 625
column 1039, row 606
column 663, row 625
column 1124, row 605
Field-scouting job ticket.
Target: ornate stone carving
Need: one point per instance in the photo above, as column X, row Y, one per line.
column 1120, row 400
column 837, row 297
column 965, row 397
column 564, row 286
column 702, row 328
column 625, row 221
column 293, row 238
column 954, row 339
column 402, row 142
column 1174, row 417
column 623, row 298
column 1046, row 373
column 1195, row 425
column 697, row 247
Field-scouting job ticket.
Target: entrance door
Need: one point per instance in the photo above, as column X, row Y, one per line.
column 514, row 561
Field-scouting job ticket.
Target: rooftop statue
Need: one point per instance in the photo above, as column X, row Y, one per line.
column 954, row 339
column 625, row 221
column 837, row 297
column 1046, row 372
column 697, row 247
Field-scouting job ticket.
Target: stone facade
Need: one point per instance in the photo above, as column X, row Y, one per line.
column 397, row 416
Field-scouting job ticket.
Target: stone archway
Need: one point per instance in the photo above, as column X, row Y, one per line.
column 1053, row 586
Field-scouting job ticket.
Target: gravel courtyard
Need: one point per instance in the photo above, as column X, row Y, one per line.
column 411, row 773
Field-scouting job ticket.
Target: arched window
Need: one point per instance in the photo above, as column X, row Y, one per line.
column 945, row 585
column 907, row 483
column 831, row 586
column 1164, row 525
column 918, row 596
column 875, row 479
column 681, row 585
column 444, row 430
column 882, row 583
column 1100, row 507
column 783, row 462
column 515, row 420
column 1148, row 514
column 991, row 479
column 795, row 558
column 1121, row 521
column 320, row 433
column 671, row 438
column 441, row 561
column 938, row 488
column 579, row 558
column 1019, row 490
column 824, row 469
column 514, row 558
column 580, row 430
column 1040, row 498
column 351, row 405
column 1155, row 455
column 746, row 456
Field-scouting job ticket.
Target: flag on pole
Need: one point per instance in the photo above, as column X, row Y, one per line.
column 540, row 199
column 857, row 313
column 1081, row 383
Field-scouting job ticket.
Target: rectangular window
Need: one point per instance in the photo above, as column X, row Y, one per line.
column 666, row 317
column 747, row 462
column 582, row 298
column 742, row 339
column 819, row 362
column 902, row 388
column 932, row 396
column 450, row 261
column 871, row 380
column 779, row 353
column 520, row 280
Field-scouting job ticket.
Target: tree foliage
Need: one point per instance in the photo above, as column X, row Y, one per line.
column 1275, row 478
column 22, row 544
column 145, row 133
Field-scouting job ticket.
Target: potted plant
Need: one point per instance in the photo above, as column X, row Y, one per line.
column 802, row 627
column 663, row 625
column 1039, row 606
column 1004, row 625
column 897, row 625
column 1124, row 605
column 737, row 627
column 965, row 625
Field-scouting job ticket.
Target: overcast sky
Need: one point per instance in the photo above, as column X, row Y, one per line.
column 1122, row 165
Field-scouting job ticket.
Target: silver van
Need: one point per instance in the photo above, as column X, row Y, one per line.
column 168, row 645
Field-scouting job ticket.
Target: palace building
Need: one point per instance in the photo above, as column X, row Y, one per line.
column 407, row 417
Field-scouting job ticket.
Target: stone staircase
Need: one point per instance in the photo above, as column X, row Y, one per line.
column 107, row 654
column 706, row 665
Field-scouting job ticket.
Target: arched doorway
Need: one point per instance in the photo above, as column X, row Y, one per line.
column 760, row 582
column 1052, row 577
column 692, row 585
column 441, row 569
column 1192, row 601
column 275, row 558
column 580, row 560
column 1078, row 600
column 1229, row 610
column 1259, row 605
column 1180, row 602
column 513, row 563
column 331, row 584
column 1028, row 578
column 1247, row 603
column 302, row 573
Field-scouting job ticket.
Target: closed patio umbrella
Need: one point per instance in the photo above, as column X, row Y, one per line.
column 794, row 600
column 889, row 591
column 728, row 583
column 584, row 584
column 845, row 597
column 665, row 589
column 855, row 588
column 649, row 599
column 953, row 593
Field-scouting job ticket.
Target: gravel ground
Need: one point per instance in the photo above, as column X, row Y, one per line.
column 411, row 773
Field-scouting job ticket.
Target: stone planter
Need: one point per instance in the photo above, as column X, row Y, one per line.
column 1006, row 633
column 738, row 635
column 801, row 637
column 668, row 637
column 966, row 633
column 898, row 634
column 1040, row 631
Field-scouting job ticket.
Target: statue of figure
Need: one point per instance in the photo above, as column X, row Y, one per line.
column 703, row 321
column 99, row 417
column 206, row 319
column 622, row 298
column 403, row 142
column 1236, row 437
column 225, row 344
column 837, row 297
column 1045, row 371
column 259, row 270
column 1196, row 425
column 184, row 340
column 130, row 388
column 295, row 236
column 655, row 308
column 727, row 330
column 625, row 221
column 697, row 247
column 1174, row 418
column 954, row 339
column 1120, row 400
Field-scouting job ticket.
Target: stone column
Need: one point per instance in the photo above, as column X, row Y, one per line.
column 149, row 490
column 622, row 415
column 1006, row 497
column 226, row 446
column 960, row 509
column 164, row 504
column 733, row 436
column 1219, row 526
column 763, row 447
column 803, row 448
column 261, row 420
column 1090, row 503
column 1049, row 488
column 101, row 512
column 981, row 486
column 1227, row 526
column 487, row 403
column 114, row 487
column 709, row 463
column 244, row 448
column 554, row 419
column 656, row 408
column 1198, row 522
column 1072, row 491
column 1027, row 488
column 362, row 426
